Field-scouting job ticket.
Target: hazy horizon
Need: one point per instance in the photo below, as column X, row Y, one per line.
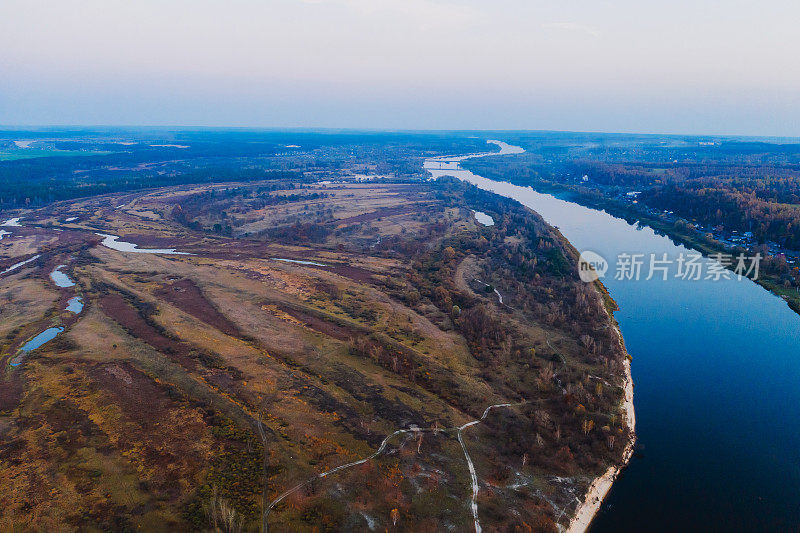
column 686, row 68
column 56, row 128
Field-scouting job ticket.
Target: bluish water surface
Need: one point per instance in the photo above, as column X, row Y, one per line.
column 61, row 279
column 716, row 368
column 74, row 305
column 43, row 337
column 113, row 242
column 483, row 218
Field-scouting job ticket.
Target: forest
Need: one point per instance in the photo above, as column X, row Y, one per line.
column 118, row 160
column 763, row 199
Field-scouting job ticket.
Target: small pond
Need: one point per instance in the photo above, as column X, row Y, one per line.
column 40, row 339
column 74, row 305
column 61, row 279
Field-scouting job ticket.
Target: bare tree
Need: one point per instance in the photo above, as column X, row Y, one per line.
column 222, row 515
column 546, row 373
column 588, row 343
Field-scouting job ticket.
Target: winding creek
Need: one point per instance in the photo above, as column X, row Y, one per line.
column 21, row 263
column 716, row 368
column 113, row 242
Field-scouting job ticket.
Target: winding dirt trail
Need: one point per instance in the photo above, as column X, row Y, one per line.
column 382, row 448
column 472, row 473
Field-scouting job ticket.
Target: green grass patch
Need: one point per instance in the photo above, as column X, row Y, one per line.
column 31, row 153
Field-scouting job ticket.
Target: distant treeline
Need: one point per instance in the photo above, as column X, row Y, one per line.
column 143, row 158
column 16, row 193
column 761, row 198
column 742, row 186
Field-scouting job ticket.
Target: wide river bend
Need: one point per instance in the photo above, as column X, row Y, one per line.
column 716, row 368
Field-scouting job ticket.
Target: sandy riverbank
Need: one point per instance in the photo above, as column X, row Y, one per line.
column 599, row 488
column 590, row 505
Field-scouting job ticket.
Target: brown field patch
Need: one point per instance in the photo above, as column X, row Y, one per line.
column 355, row 273
column 11, row 388
column 115, row 306
column 22, row 301
column 137, row 395
column 380, row 213
column 187, row 296
column 317, row 324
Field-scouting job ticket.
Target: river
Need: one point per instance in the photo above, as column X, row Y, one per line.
column 717, row 378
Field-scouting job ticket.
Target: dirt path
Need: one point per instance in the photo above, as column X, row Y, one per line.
column 472, row 473
column 382, row 448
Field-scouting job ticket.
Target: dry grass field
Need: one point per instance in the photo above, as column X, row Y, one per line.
column 304, row 325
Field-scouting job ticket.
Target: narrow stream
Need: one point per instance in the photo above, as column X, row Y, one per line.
column 12, row 222
column 113, row 242
column 298, row 261
column 21, row 263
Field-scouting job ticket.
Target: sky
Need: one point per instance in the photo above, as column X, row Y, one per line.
column 695, row 67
